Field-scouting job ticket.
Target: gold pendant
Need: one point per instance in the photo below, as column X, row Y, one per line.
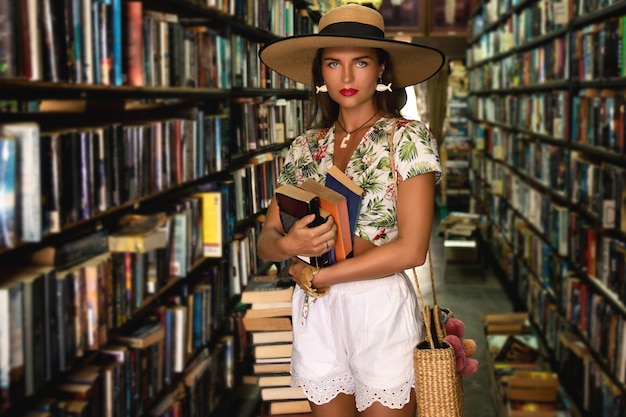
column 344, row 141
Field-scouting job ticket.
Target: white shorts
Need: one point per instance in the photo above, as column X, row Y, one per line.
column 358, row 340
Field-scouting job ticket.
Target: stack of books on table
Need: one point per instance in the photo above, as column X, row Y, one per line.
column 268, row 323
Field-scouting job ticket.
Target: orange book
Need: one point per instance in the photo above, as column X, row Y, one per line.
column 134, row 44
column 337, row 205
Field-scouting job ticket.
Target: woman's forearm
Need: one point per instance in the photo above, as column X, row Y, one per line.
column 269, row 246
column 376, row 263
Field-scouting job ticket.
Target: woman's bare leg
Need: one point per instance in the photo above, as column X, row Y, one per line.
column 341, row 406
column 378, row 410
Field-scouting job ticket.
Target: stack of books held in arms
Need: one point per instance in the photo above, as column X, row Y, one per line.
column 339, row 197
column 269, row 326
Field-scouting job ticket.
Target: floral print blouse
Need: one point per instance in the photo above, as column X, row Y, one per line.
column 310, row 155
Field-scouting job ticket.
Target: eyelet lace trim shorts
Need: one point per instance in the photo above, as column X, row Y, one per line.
column 358, row 340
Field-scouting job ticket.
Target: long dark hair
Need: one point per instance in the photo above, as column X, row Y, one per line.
column 325, row 110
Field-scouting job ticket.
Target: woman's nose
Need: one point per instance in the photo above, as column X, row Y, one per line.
column 347, row 74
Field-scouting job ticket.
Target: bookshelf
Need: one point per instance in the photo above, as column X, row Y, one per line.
column 547, row 120
column 456, row 148
column 158, row 112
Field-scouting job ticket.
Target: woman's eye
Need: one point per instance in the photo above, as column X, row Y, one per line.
column 333, row 64
column 361, row 64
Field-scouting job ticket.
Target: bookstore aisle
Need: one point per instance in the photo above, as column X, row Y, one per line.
column 469, row 291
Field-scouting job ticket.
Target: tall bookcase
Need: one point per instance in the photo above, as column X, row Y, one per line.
column 548, row 121
column 456, row 150
column 159, row 110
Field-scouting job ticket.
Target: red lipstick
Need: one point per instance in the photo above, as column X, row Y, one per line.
column 347, row 92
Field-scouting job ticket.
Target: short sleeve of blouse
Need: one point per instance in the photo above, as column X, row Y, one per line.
column 300, row 161
column 416, row 150
column 287, row 172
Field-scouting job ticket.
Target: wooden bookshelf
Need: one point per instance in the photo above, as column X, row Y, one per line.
column 547, row 121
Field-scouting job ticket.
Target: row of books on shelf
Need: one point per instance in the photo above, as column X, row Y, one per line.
column 543, row 162
column 541, row 113
column 597, row 118
column 587, row 53
column 585, row 378
column 556, row 253
column 129, row 42
column 596, row 49
column 262, row 122
column 84, row 40
column 596, row 190
column 253, row 184
column 599, row 189
column 493, row 11
column 535, row 20
column 545, row 63
column 58, row 323
column 594, row 53
column 275, row 16
column 125, row 381
column 51, row 180
column 600, row 322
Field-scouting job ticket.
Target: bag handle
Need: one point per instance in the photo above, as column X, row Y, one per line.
column 432, row 321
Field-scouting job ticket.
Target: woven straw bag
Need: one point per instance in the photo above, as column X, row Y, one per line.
column 438, row 384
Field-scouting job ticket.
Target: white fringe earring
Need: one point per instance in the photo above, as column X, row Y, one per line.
column 322, row 89
column 380, row 87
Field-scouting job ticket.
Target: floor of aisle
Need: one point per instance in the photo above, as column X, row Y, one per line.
column 469, row 291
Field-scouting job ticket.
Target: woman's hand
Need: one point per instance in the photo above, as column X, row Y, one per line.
column 303, row 240
column 275, row 245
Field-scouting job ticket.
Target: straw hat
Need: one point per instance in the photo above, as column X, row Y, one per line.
column 351, row 25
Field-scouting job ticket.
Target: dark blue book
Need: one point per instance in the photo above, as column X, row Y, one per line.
column 340, row 182
column 198, row 319
column 169, row 346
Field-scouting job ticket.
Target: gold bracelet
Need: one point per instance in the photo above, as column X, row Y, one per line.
column 314, row 272
column 307, row 274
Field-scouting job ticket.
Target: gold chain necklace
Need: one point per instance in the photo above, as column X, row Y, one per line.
column 344, row 141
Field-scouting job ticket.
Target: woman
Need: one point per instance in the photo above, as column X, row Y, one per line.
column 353, row 346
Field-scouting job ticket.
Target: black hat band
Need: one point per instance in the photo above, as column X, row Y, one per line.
column 353, row 29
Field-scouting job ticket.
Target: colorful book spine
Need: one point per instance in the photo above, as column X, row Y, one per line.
column 117, row 36
column 7, row 44
column 8, row 177
column 212, row 223
column 134, row 47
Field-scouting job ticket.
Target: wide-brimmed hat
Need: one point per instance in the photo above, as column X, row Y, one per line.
column 351, row 25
